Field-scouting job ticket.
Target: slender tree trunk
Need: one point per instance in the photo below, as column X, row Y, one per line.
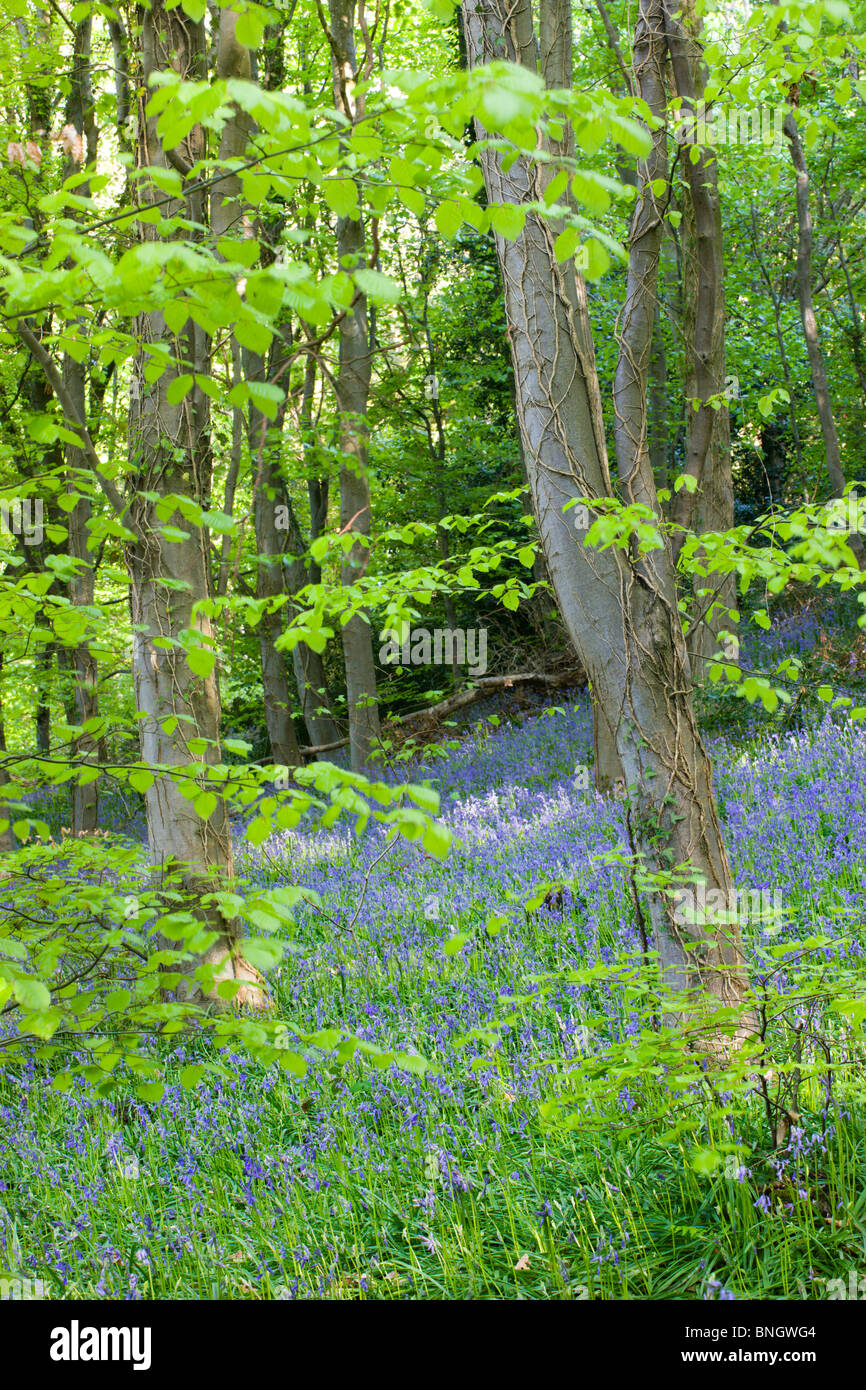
column 169, row 446
column 820, row 387
column 228, row 214
column 271, row 503
column 316, row 705
column 620, row 608
column 555, row 48
column 7, row 839
column 353, row 388
column 42, row 715
column 658, row 405
column 775, row 299
column 80, row 112
column 232, row 475
column 710, row 508
column 856, row 329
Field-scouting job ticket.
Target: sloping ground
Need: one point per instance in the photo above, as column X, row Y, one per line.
column 354, row 1182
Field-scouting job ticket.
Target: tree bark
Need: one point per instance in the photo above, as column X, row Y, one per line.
column 169, row 447
column 80, row 112
column 620, row 608
column 7, row 839
column 820, row 387
column 556, row 61
column 312, row 683
column 710, row 508
column 352, row 390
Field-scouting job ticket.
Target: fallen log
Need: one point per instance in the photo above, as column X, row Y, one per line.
column 485, row 685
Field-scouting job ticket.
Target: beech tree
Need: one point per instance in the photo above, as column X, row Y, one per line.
column 620, row 606
column 237, row 263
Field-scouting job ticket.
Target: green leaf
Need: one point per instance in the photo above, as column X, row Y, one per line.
column 341, row 195
column 436, row 839
column 589, row 190
column 566, row 244
column 253, row 335
column 508, row 219
column 258, row 830
column 378, row 287
column 240, row 251
column 412, row 199
column 448, row 219
column 205, row 804
column 201, row 661
column 32, row 994
column 250, row 26
column 705, row 1161
column 152, row 1091
column 263, row 952
column 593, row 261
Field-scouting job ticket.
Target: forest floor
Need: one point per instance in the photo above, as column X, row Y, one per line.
column 351, row 1182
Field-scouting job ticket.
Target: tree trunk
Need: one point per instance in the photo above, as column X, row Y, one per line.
column 80, row 113
column 42, row 713
column 7, row 839
column 620, row 608
column 710, row 508
column 352, row 389
column 607, row 771
column 555, row 48
column 169, row 447
column 312, row 683
column 270, row 493
column 658, row 405
column 810, row 328
column 776, row 301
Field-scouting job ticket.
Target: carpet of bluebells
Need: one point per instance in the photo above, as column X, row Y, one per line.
column 351, row 1182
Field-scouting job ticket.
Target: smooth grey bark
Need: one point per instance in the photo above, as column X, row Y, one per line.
column 658, row 404
column 620, row 608
column 607, row 768
column 169, row 449
column 352, row 391
column 555, row 57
